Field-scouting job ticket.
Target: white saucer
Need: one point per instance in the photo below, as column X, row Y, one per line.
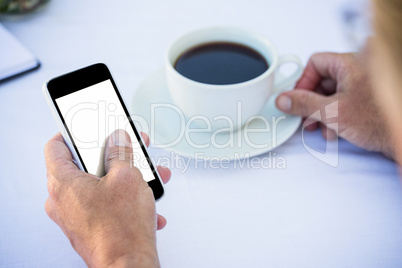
column 166, row 128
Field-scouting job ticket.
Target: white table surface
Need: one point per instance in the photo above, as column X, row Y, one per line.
column 307, row 215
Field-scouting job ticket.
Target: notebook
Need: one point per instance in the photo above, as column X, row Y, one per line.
column 15, row 59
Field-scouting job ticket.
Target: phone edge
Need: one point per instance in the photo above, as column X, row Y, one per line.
column 69, row 143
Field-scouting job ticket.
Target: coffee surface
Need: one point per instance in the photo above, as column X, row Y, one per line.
column 221, row 63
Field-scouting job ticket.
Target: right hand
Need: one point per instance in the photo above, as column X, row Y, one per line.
column 331, row 77
column 110, row 221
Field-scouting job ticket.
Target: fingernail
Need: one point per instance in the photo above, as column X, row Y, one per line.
column 164, row 168
column 119, row 138
column 284, row 103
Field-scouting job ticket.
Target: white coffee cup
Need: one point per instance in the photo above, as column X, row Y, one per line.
column 219, row 104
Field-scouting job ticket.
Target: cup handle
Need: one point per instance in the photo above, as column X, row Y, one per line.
column 282, row 84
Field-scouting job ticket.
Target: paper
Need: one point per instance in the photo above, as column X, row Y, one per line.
column 15, row 59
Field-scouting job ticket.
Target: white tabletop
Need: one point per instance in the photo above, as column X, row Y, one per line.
column 306, row 215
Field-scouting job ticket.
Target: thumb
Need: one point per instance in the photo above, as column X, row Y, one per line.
column 118, row 151
column 304, row 103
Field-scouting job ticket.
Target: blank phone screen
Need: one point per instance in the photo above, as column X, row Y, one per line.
column 91, row 115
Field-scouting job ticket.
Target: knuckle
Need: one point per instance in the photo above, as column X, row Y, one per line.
column 111, row 157
column 51, row 186
column 54, row 188
column 126, row 172
column 120, row 154
column 126, row 177
column 48, row 208
column 301, row 103
column 122, row 172
column 345, row 61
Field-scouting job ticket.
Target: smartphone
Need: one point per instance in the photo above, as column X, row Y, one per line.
column 88, row 107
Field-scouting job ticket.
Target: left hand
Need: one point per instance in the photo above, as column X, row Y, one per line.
column 340, row 79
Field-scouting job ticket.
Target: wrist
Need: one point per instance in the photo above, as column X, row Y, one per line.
column 136, row 260
column 125, row 253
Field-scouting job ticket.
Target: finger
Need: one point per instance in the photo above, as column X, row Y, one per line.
column 161, row 222
column 303, row 103
column 59, row 160
column 319, row 66
column 332, row 135
column 310, row 125
column 145, row 138
column 328, row 86
column 118, row 151
column 165, row 173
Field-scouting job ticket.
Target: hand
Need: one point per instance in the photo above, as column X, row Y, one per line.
column 110, row 221
column 331, row 77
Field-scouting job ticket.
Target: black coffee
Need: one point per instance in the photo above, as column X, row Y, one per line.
column 221, row 63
